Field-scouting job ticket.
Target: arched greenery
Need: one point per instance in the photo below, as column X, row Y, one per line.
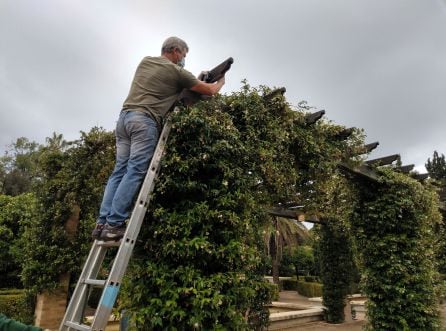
column 229, row 161
column 394, row 224
column 199, row 258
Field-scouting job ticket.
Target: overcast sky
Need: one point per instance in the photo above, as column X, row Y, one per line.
column 380, row 65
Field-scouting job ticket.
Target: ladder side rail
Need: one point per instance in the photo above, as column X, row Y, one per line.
column 122, row 258
column 94, row 271
column 79, row 297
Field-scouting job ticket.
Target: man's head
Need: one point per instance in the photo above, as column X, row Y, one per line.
column 175, row 49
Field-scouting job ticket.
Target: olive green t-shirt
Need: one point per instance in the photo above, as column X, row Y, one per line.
column 156, row 86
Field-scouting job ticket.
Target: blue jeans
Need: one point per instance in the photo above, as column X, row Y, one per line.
column 136, row 138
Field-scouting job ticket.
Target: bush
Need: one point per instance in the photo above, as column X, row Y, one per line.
column 289, row 284
column 16, row 304
column 336, row 267
column 395, row 223
column 275, row 292
column 11, row 291
column 311, row 279
column 15, row 213
column 309, row 290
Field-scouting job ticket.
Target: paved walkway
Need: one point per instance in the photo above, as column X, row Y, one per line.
column 294, row 297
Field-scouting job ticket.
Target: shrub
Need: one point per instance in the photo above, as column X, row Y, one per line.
column 16, row 304
column 395, row 223
column 336, row 267
column 309, row 290
column 15, row 214
column 289, row 284
column 311, row 279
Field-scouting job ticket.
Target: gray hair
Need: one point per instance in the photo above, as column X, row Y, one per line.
column 171, row 43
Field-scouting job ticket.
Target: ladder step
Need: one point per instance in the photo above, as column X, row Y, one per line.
column 109, row 243
column 95, row 282
column 77, row 326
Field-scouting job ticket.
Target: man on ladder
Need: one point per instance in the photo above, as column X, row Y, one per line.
column 157, row 83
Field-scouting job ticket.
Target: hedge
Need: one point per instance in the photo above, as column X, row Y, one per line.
column 288, row 284
column 16, row 304
column 307, row 289
column 310, row 290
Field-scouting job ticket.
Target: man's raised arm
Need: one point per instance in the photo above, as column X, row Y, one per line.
column 208, row 88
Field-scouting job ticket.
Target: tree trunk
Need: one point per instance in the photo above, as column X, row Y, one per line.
column 275, row 256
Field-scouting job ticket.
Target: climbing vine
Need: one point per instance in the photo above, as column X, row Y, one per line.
column 70, row 181
column 199, row 258
column 394, row 223
column 229, row 160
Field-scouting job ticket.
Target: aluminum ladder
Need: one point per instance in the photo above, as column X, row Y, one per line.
column 74, row 315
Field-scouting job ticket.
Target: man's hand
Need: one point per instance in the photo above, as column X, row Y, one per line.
column 208, row 88
column 203, row 75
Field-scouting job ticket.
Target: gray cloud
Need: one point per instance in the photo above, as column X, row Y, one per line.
column 374, row 64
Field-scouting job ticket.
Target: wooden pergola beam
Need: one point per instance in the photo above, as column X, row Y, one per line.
column 370, row 147
column 420, row 177
column 406, row 169
column 366, row 148
column 383, row 160
column 362, row 171
column 344, row 134
column 314, row 117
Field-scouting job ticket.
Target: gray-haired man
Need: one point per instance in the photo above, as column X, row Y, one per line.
column 156, row 85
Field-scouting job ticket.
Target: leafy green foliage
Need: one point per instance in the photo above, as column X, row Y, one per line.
column 300, row 260
column 198, row 267
column 303, row 260
column 16, row 213
column 17, row 167
column 18, row 305
column 337, row 267
column 310, row 289
column 394, row 223
column 229, row 160
column 437, row 167
column 199, row 262
column 70, row 178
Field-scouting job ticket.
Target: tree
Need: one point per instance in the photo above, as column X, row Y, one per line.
column 16, row 213
column 56, row 142
column 437, row 167
column 284, row 234
column 70, row 179
column 303, row 260
column 18, row 167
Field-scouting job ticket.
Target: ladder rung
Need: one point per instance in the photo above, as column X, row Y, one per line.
column 77, row 326
column 109, row 243
column 95, row 282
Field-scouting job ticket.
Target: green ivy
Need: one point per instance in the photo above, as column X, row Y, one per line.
column 16, row 213
column 394, row 223
column 200, row 258
column 69, row 178
column 337, row 267
column 228, row 161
